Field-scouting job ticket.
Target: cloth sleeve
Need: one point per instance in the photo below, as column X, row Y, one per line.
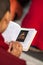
column 2, row 43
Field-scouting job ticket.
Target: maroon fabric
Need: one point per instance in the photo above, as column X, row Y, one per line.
column 5, row 57
column 2, row 43
column 34, row 19
column 8, row 59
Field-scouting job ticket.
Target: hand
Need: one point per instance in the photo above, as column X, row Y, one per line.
column 15, row 48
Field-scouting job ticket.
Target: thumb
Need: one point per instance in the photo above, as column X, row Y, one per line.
column 10, row 46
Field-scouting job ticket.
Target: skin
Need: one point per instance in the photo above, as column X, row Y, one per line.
column 15, row 48
column 5, row 21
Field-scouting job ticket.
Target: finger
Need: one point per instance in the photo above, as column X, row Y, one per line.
column 10, row 46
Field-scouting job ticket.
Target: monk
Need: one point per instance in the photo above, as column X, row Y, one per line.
column 15, row 48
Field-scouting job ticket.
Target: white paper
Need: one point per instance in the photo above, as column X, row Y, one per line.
column 29, row 38
column 12, row 31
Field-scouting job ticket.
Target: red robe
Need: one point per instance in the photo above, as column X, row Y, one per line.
column 2, row 43
column 34, row 19
column 6, row 58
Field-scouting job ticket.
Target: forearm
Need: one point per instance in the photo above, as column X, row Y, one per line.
column 5, row 21
column 3, row 26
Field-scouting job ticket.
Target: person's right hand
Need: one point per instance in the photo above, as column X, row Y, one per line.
column 15, row 48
